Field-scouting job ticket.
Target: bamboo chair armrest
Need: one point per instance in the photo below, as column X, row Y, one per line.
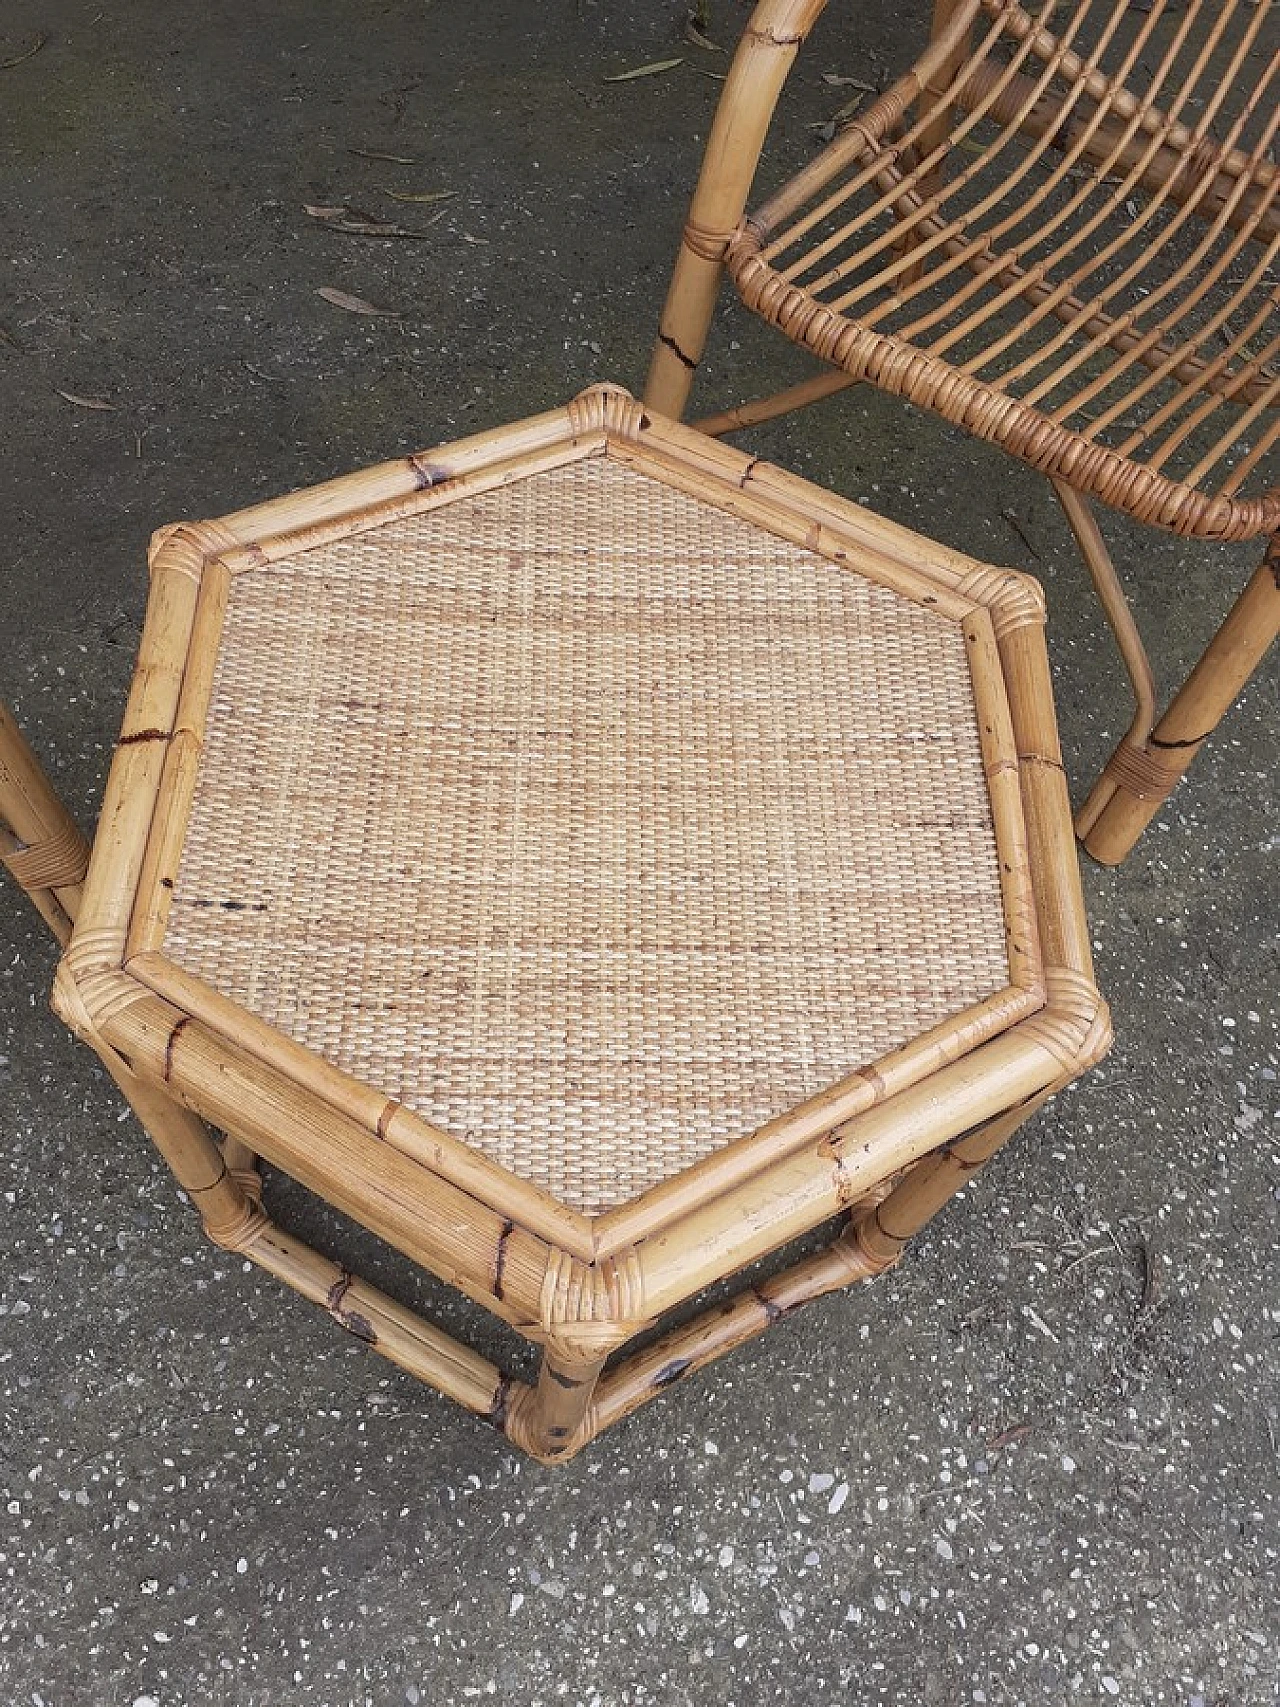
column 743, row 114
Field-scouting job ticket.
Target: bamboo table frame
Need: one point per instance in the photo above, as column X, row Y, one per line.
column 884, row 1148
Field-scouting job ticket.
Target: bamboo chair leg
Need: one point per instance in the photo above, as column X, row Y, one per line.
column 1140, row 776
column 760, row 66
column 936, row 132
column 39, row 844
column 1115, row 607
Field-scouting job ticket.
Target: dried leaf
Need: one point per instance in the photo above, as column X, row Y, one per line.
column 833, row 81
column 32, row 51
column 354, row 304
column 652, row 70
column 86, row 402
column 1008, row 1436
column 828, row 130
column 372, row 228
column 694, row 36
column 429, row 196
column 395, row 159
column 356, row 223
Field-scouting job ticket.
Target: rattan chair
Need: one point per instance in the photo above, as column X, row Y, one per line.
column 1060, row 232
column 590, row 859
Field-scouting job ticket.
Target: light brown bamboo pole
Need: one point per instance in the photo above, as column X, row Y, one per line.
column 939, row 79
column 404, row 1338
column 424, row 471
column 871, row 1242
column 884, row 1230
column 762, row 498
column 935, row 131
column 553, row 1421
column 1137, row 781
column 1075, row 1024
column 39, row 842
column 760, row 409
column 811, row 1123
column 792, row 1194
column 694, row 1344
column 395, row 1124
column 227, row 1211
column 180, row 764
column 1115, row 607
column 1108, row 140
column 759, row 69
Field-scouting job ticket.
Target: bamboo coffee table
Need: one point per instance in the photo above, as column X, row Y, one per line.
column 589, row 858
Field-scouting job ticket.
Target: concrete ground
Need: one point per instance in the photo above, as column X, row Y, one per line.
column 1036, row 1464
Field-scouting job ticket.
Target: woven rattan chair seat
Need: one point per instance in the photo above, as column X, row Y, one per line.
column 592, row 823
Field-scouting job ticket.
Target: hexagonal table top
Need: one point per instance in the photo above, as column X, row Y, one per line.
column 597, row 825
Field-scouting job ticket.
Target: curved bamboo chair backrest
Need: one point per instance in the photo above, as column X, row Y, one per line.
column 1098, row 167
column 1081, row 178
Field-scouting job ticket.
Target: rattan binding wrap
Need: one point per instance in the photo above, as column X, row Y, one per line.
column 595, row 861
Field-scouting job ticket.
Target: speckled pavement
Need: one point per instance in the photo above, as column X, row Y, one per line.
column 1037, row 1463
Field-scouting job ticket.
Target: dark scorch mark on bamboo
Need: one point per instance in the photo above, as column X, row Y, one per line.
column 500, row 1257
column 500, row 1408
column 426, row 476
column 169, row 1045
column 672, row 1371
column 677, row 352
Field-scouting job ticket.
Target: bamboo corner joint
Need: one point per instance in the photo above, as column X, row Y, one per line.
column 714, row 881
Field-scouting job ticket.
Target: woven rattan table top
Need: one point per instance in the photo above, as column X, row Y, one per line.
column 594, row 824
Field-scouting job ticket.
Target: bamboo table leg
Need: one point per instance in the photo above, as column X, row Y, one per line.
column 871, row 1242
column 552, row 1420
column 47, row 855
column 1139, row 778
column 885, row 1229
column 226, row 1202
